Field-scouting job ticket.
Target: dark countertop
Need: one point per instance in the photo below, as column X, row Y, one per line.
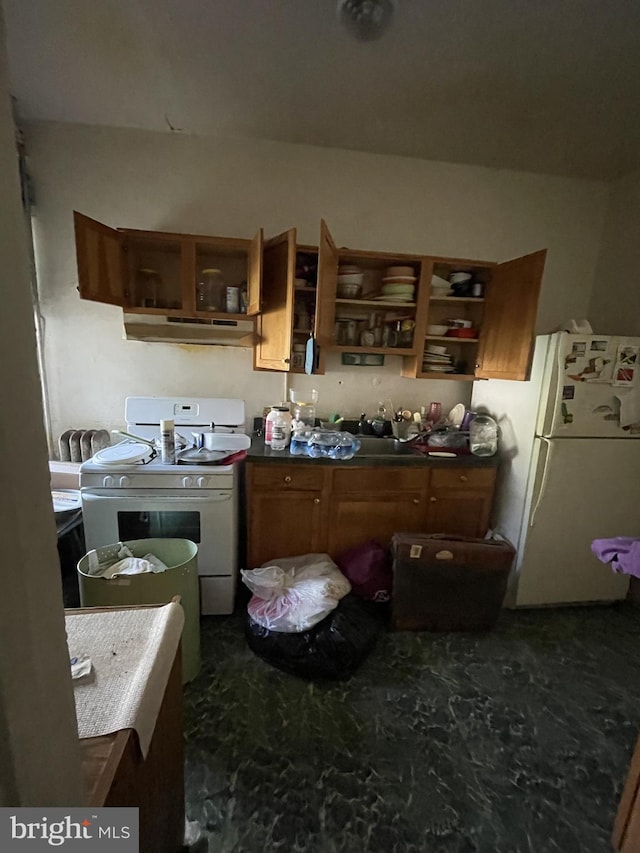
column 258, row 452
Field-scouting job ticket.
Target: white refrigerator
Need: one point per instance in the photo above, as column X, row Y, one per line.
column 570, row 465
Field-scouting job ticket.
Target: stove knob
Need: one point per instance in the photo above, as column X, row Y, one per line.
column 124, row 482
column 202, row 482
column 107, row 481
column 187, row 482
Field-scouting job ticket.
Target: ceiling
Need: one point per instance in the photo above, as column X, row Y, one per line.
column 541, row 85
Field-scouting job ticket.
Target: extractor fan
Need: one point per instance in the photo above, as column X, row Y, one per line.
column 366, row 19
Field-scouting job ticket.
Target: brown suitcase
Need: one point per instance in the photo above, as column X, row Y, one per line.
column 448, row 583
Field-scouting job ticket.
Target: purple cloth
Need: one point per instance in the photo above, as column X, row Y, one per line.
column 622, row 553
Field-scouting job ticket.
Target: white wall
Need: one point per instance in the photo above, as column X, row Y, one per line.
column 615, row 303
column 39, row 751
column 140, row 179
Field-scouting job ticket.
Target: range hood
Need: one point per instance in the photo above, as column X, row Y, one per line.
column 183, row 330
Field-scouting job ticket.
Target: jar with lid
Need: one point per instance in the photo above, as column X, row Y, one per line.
column 282, row 415
column 149, row 288
column 483, row 435
column 211, row 291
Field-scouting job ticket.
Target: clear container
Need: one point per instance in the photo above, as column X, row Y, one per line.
column 149, row 288
column 304, row 414
column 232, row 304
column 211, row 291
column 483, row 436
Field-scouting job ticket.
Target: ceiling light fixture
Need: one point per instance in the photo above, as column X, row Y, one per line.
column 366, row 20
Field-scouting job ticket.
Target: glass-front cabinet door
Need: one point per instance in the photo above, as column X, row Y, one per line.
column 183, row 275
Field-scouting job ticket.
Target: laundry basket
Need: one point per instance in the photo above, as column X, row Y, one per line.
column 181, row 578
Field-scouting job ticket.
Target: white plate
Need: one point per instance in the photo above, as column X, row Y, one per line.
column 125, row 453
column 65, row 500
column 443, row 454
column 456, row 414
column 439, row 368
column 399, row 279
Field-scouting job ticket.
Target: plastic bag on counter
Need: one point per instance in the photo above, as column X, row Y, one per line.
column 368, row 569
column 294, row 593
column 332, row 649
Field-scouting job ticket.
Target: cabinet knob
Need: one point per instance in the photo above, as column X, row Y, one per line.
column 316, row 500
column 463, row 478
column 416, row 500
column 478, row 364
column 287, row 479
column 286, row 360
column 433, row 500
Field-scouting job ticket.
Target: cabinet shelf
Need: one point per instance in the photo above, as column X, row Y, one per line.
column 475, row 300
column 181, row 313
column 377, row 303
column 451, row 339
column 383, row 350
column 433, row 374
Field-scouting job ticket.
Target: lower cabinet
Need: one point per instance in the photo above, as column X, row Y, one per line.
column 286, row 511
column 460, row 500
column 375, row 503
column 305, row 508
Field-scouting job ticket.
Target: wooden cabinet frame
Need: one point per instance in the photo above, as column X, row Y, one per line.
column 106, row 266
column 303, row 507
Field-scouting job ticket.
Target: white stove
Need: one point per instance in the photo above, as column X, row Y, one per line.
column 123, row 499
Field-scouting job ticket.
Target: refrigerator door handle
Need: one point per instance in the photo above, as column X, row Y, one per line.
column 555, row 390
column 543, row 481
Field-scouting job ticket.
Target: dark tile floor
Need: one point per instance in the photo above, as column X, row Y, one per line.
column 516, row 740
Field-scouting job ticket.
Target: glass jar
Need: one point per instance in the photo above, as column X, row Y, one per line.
column 211, row 291
column 483, row 436
column 149, row 288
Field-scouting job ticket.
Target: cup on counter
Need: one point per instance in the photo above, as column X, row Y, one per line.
column 434, row 413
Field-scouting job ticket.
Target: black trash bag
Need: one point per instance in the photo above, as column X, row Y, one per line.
column 332, row 649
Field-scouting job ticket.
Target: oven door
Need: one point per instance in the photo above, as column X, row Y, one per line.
column 207, row 518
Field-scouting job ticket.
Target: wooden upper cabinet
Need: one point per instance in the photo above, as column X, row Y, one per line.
column 327, row 286
column 102, row 270
column 511, row 304
column 275, row 321
column 162, row 273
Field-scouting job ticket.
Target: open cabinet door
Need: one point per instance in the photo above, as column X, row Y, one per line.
column 508, row 328
column 327, row 287
column 102, row 273
column 254, row 273
column 275, row 321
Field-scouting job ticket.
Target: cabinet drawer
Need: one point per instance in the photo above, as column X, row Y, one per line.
column 299, row 477
column 463, row 478
column 375, row 480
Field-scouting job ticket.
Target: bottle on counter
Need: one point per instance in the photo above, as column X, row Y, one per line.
column 276, row 412
column 281, row 429
column 168, row 442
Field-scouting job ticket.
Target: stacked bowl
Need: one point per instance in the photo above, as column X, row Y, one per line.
column 398, row 284
column 349, row 281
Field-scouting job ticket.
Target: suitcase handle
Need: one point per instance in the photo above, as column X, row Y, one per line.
column 446, row 537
